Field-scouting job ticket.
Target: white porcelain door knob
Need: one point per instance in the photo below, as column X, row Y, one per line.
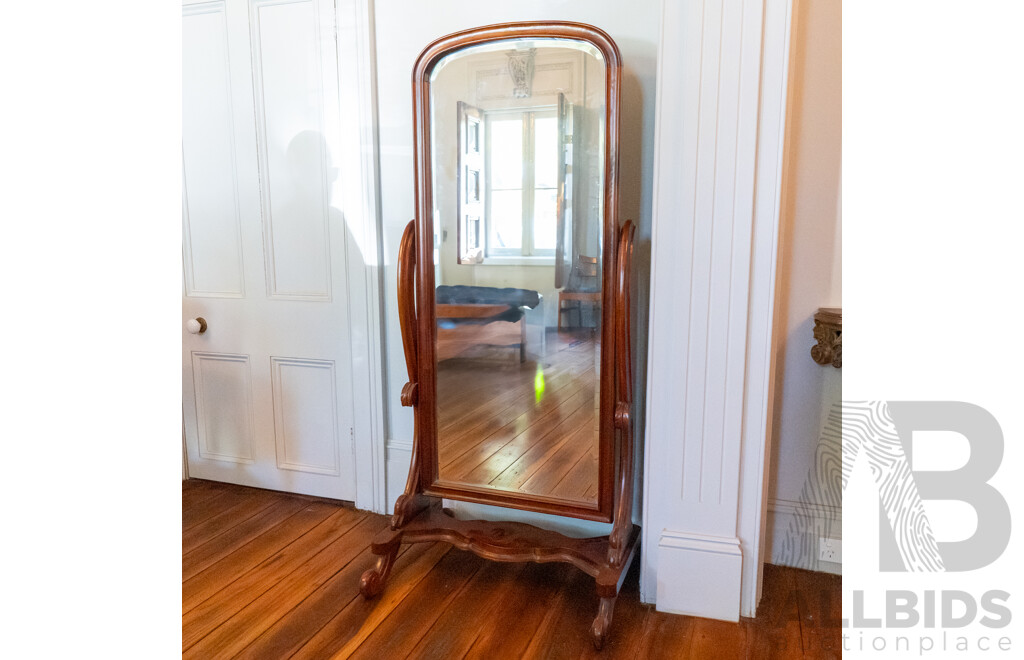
column 196, row 326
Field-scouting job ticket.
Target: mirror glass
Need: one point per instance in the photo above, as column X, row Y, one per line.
column 517, row 130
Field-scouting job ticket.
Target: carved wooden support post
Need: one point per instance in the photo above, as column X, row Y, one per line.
column 828, row 331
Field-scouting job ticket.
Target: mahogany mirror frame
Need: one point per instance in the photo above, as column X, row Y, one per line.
column 427, row 418
column 418, row 515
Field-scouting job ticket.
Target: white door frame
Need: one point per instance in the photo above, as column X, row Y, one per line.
column 720, row 120
column 357, row 86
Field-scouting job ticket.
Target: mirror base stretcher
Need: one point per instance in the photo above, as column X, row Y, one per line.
column 509, row 542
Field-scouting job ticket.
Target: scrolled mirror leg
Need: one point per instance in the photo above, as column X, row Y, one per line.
column 602, row 622
column 373, row 580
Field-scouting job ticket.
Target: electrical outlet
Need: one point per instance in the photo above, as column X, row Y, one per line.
column 830, row 550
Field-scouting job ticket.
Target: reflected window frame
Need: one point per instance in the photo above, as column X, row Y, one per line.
column 527, row 249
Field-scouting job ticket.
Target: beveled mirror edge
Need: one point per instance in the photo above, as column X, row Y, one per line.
column 426, row 415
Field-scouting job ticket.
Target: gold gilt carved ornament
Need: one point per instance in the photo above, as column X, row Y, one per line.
column 828, row 331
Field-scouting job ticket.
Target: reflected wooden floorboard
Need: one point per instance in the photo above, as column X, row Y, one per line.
column 527, row 426
column 516, row 417
column 481, row 393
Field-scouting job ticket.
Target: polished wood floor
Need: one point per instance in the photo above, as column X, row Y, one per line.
column 269, row 575
column 527, row 426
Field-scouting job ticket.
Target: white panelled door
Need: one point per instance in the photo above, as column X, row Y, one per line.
column 268, row 389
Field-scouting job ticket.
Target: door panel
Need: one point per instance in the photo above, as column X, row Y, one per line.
column 289, row 83
column 267, row 394
column 223, row 396
column 212, row 235
column 305, row 411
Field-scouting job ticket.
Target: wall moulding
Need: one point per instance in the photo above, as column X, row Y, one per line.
column 718, row 174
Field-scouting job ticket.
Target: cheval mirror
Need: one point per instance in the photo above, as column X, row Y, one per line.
column 514, row 300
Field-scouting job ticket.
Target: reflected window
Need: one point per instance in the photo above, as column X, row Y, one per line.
column 521, row 166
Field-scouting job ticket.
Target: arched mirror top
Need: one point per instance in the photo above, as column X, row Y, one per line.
column 485, row 37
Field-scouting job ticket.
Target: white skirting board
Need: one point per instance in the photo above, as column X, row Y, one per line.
column 793, row 532
column 699, row 575
column 399, row 455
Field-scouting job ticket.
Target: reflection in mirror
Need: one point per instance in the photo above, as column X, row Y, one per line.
column 517, row 135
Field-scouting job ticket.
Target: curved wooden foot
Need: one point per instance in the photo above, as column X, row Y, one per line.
column 602, row 622
column 373, row 580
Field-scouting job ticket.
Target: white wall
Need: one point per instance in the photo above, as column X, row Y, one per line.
column 810, row 276
column 403, row 29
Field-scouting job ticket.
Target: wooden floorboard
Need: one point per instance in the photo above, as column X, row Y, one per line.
column 533, row 600
column 482, row 599
column 292, row 632
column 284, row 581
column 563, row 633
column 220, row 546
column 820, row 607
column 347, row 631
column 289, row 585
column 196, row 491
column 268, row 549
column 207, row 530
column 775, row 633
column 209, row 508
column 397, row 635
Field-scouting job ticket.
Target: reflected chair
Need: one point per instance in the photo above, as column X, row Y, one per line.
column 583, row 287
